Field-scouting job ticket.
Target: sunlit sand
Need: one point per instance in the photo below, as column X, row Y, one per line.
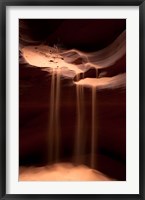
column 61, row 172
column 106, row 82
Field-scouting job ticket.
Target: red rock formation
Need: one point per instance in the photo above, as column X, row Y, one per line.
column 35, row 96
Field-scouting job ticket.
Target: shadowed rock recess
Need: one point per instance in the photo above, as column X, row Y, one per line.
column 72, row 99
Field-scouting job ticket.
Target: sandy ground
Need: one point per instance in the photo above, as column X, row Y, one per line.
column 61, row 172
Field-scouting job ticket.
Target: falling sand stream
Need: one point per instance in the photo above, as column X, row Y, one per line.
column 82, row 134
column 58, row 171
column 81, row 122
column 94, row 128
column 54, row 122
column 79, row 143
column 54, row 125
column 46, row 57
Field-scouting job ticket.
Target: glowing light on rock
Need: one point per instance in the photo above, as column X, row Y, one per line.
column 105, row 82
column 48, row 57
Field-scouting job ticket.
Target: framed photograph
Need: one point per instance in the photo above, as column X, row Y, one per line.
column 72, row 99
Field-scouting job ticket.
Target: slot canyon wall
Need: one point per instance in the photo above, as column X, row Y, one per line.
column 97, row 50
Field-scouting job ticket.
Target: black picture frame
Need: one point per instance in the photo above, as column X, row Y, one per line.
column 3, row 125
